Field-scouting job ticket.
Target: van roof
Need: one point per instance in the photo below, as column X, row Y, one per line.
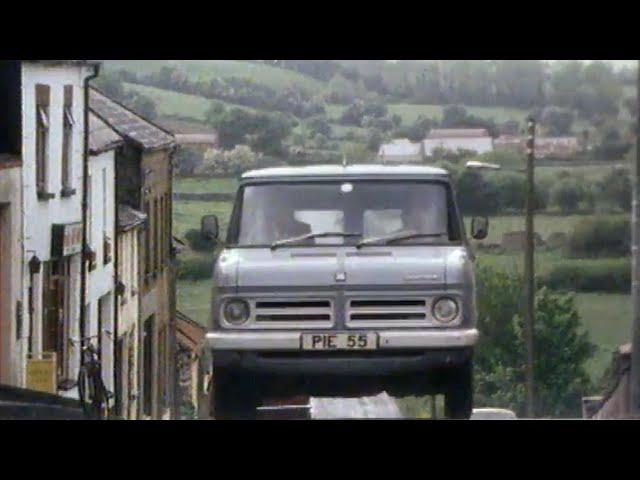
column 349, row 170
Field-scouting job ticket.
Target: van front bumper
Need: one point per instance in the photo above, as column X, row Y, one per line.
column 388, row 340
column 399, row 353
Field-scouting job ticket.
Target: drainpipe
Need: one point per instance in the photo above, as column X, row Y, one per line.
column 175, row 407
column 85, row 177
column 116, row 298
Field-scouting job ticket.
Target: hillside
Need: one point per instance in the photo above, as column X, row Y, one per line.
column 323, row 107
column 273, row 77
column 170, row 103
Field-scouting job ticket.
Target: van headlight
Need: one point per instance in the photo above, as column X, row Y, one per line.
column 236, row 311
column 445, row 310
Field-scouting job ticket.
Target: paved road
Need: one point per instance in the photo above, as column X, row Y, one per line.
column 380, row 406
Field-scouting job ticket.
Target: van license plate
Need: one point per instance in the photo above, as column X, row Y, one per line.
column 339, row 341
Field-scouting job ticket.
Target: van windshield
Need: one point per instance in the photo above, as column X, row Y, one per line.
column 345, row 213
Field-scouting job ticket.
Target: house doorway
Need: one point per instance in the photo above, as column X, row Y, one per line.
column 56, row 311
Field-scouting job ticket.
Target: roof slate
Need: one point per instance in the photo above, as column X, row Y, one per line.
column 458, row 133
column 129, row 217
column 127, row 123
column 101, row 136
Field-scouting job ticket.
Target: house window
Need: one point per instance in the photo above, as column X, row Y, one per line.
column 147, row 373
column 147, row 243
column 67, row 141
column 156, row 235
column 90, row 210
column 168, row 236
column 122, row 387
column 43, row 93
column 162, row 368
column 160, row 239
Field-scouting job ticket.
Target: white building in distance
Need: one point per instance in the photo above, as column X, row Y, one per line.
column 455, row 140
column 401, row 150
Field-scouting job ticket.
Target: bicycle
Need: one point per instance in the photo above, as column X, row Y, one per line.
column 93, row 393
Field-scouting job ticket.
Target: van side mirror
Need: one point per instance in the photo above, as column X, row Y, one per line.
column 209, row 228
column 479, row 228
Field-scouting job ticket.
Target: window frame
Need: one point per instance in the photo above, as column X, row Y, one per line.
column 66, row 161
column 455, row 224
column 42, row 147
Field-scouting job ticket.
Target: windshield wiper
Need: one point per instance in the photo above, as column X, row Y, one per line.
column 308, row 236
column 397, row 237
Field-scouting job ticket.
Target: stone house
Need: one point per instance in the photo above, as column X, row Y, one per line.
column 144, row 183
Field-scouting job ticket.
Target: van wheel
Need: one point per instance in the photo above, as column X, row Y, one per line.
column 233, row 396
column 458, row 398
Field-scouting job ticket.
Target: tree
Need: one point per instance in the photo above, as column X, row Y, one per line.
column 110, row 85
column 456, row 116
column 615, row 188
column 232, row 162
column 376, row 110
column 510, row 127
column 562, row 348
column 263, row 132
column 144, row 106
column 475, row 194
column 318, row 126
column 353, row 114
column 567, row 194
column 320, row 141
column 374, row 140
column 215, row 112
column 557, row 121
column 356, row 153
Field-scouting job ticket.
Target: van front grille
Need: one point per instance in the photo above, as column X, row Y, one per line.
column 312, row 313
column 376, row 312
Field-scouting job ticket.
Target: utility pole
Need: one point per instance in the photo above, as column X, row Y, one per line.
column 529, row 272
column 635, row 286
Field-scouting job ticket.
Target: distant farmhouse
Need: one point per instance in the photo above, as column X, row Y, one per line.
column 401, row 150
column 514, row 143
column 475, row 140
column 556, row 147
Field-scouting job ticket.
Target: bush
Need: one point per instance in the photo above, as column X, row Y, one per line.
column 199, row 243
column 562, row 348
column 318, row 125
column 567, row 194
column 600, row 236
column 195, row 268
column 476, row 195
column 610, row 275
column 615, row 189
column 232, row 162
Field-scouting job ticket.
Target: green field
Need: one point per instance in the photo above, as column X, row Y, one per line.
column 205, row 185
column 411, row 112
column 274, row 77
column 194, row 299
column 607, row 318
column 194, row 296
column 187, row 215
column 544, row 224
column 588, row 173
column 170, row 103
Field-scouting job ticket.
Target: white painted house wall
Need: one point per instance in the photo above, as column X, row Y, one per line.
column 479, row 145
column 128, row 313
column 101, row 280
column 40, row 215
